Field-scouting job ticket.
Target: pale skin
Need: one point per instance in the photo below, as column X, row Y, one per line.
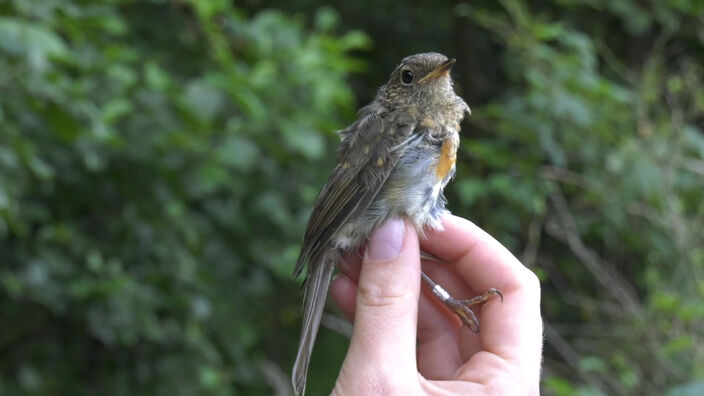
column 406, row 342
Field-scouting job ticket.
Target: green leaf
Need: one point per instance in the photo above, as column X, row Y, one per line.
column 470, row 190
column 155, row 76
column 238, row 152
column 30, row 40
column 694, row 388
column 204, row 101
column 306, row 141
column 326, row 19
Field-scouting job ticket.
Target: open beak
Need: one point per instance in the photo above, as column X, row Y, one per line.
column 441, row 71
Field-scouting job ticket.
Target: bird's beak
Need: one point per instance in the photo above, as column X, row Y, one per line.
column 441, row 71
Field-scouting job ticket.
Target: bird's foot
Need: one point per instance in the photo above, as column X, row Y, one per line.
column 462, row 308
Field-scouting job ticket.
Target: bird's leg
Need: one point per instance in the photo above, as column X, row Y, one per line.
column 460, row 307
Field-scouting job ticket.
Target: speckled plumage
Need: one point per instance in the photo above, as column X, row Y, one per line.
column 394, row 160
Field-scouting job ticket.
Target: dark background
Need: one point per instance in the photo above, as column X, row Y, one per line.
column 159, row 160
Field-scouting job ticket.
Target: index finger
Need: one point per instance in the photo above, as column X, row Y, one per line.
column 482, row 260
column 512, row 329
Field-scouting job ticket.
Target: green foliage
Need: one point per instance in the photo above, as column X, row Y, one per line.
column 149, row 209
column 606, row 159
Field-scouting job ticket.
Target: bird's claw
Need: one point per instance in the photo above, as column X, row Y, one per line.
column 467, row 316
column 465, row 313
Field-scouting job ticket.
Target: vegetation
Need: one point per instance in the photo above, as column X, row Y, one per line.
column 159, row 160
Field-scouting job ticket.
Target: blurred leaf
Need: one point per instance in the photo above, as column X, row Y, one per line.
column 30, row 40
column 687, row 389
column 204, row 101
column 239, row 152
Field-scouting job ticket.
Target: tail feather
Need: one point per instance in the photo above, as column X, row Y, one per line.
column 316, row 289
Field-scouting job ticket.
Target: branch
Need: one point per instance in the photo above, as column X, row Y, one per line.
column 619, row 288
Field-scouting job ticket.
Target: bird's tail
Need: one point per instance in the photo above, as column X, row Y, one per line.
column 316, row 289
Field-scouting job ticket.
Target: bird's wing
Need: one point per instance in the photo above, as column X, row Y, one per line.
column 377, row 140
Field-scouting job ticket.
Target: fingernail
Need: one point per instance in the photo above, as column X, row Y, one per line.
column 386, row 242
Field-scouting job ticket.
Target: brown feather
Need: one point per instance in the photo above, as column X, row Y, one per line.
column 350, row 190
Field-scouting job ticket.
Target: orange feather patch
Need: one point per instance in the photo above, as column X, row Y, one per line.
column 448, row 156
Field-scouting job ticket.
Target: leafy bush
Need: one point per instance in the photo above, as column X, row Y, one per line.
column 153, row 192
column 593, row 169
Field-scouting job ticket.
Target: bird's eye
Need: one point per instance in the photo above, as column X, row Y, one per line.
column 406, row 77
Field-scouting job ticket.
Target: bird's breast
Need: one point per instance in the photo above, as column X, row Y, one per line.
column 415, row 187
column 447, row 158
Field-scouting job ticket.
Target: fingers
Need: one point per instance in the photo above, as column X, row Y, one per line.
column 351, row 264
column 438, row 329
column 438, row 339
column 438, row 354
column 383, row 342
column 436, row 321
column 512, row 329
column 344, row 292
column 481, row 259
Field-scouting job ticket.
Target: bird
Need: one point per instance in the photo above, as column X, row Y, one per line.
column 394, row 160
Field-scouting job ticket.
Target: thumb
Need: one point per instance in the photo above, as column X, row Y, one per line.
column 384, row 336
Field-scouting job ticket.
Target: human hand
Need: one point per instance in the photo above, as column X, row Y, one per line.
column 406, row 342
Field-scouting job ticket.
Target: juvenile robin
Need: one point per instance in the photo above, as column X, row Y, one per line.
column 394, row 160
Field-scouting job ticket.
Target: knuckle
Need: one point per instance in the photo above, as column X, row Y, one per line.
column 531, row 280
column 373, row 380
column 380, row 296
column 509, row 385
column 386, row 382
column 380, row 385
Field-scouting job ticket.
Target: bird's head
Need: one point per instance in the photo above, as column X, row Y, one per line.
column 421, row 80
